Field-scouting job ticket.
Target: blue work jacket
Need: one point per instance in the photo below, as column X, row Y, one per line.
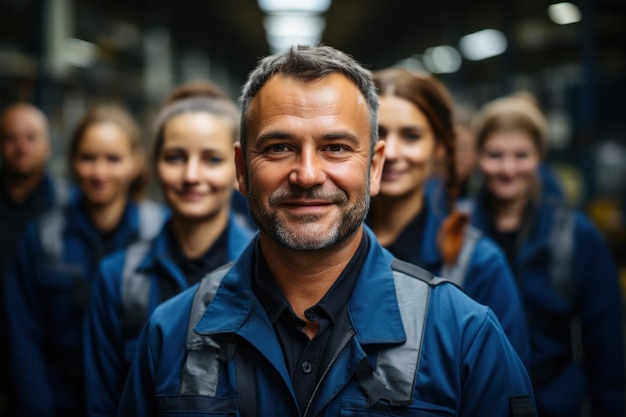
column 577, row 350
column 50, row 192
column 467, row 366
column 46, row 297
column 487, row 279
column 108, row 348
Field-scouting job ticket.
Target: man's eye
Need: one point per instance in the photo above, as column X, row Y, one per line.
column 336, row 148
column 277, row 148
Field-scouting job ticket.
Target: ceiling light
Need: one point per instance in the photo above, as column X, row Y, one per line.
column 286, row 30
column 564, row 13
column 442, row 59
column 483, row 44
column 310, row 6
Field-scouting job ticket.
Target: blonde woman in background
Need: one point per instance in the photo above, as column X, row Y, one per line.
column 564, row 269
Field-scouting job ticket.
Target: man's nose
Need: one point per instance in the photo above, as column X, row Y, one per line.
column 308, row 170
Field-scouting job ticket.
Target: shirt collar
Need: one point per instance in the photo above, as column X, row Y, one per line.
column 332, row 303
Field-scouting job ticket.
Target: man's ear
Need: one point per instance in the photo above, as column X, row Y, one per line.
column 376, row 167
column 240, row 165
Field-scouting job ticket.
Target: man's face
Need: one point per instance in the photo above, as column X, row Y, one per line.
column 25, row 142
column 307, row 172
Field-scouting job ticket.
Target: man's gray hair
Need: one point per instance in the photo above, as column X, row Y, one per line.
column 308, row 63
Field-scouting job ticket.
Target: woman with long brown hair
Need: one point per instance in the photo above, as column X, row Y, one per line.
column 409, row 219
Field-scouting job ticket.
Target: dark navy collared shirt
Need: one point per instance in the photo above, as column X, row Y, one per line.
column 193, row 269
column 407, row 245
column 306, row 358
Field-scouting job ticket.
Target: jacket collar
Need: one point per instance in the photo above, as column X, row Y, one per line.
column 159, row 254
column 374, row 314
column 373, row 310
column 158, row 258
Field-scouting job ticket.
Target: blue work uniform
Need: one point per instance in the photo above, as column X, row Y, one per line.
column 575, row 328
column 46, row 297
column 50, row 192
column 466, row 367
column 110, row 341
column 486, row 275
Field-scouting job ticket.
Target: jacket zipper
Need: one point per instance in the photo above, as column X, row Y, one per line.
column 342, row 345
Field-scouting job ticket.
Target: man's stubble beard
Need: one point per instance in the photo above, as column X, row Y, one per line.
column 299, row 239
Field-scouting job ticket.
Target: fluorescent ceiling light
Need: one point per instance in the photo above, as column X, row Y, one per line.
column 442, row 59
column 281, row 44
column 294, row 25
column 564, row 13
column 286, row 30
column 483, row 44
column 310, row 6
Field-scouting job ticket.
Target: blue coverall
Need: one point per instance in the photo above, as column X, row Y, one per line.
column 588, row 320
column 467, row 365
column 50, row 192
column 488, row 278
column 108, row 349
column 46, row 297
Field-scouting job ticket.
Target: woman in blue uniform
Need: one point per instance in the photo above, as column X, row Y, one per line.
column 415, row 121
column 47, row 288
column 194, row 163
column 567, row 278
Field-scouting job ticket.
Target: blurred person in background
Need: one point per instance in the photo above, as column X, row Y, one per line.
column 567, row 278
column 193, row 158
column 416, row 124
column 57, row 256
column 238, row 203
column 26, row 191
